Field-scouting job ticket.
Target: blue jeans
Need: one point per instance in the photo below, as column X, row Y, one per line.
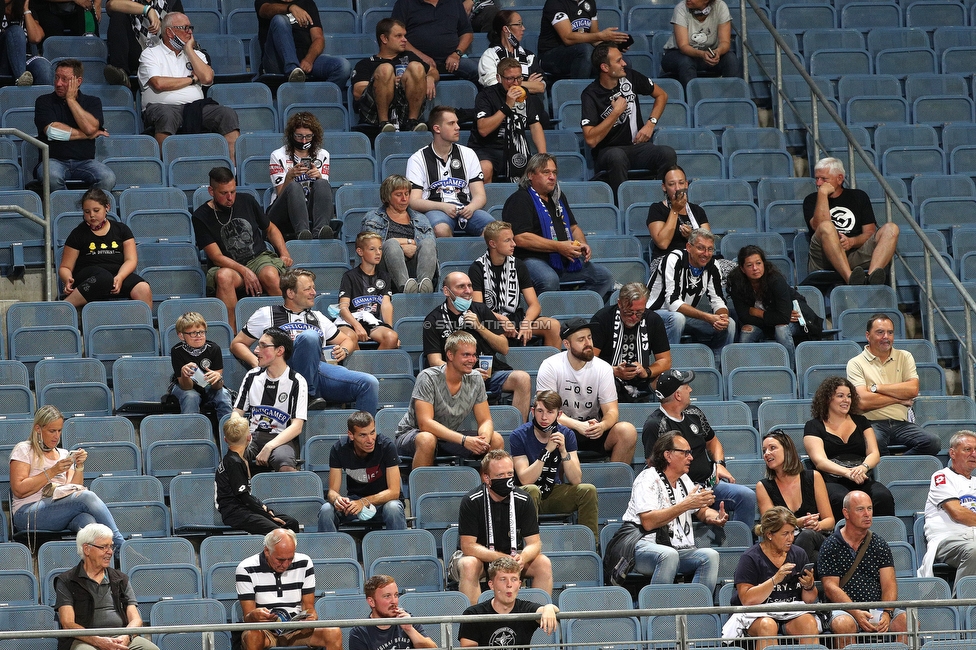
column 280, row 55
column 663, row 563
column 13, row 45
column 545, row 278
column 783, row 334
column 391, row 511
column 73, row 512
column 740, row 501
column 569, row 61
column 91, row 172
column 676, row 324
column 909, row 434
column 191, row 400
column 467, row 68
column 332, row 381
column 479, row 219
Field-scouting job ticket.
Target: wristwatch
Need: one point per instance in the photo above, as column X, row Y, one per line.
column 459, row 52
column 874, row 388
column 652, row 120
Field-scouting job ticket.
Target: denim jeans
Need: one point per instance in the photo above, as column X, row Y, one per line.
column 783, row 334
column 292, row 212
column 909, row 434
column 676, row 324
column 280, row 55
column 422, row 265
column 569, row 62
column 91, row 172
column 473, row 228
column 73, row 512
column 740, row 501
column 663, row 563
column 545, row 278
column 191, row 400
column 686, row 68
column 391, row 511
column 332, row 381
column 14, row 60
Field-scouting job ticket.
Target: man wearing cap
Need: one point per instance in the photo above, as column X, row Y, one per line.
column 589, row 396
column 708, row 465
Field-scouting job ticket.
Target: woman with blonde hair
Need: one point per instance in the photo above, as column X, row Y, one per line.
column 47, row 482
column 774, row 570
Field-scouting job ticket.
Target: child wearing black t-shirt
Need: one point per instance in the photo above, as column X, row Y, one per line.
column 198, row 368
column 365, row 297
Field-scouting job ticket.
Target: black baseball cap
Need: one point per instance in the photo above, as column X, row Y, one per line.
column 672, row 380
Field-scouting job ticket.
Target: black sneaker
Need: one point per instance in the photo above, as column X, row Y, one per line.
column 303, row 235
column 387, row 127
column 324, row 232
column 413, row 125
column 116, row 76
column 317, row 404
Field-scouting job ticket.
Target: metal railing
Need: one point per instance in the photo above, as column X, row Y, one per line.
column 931, row 309
column 914, row 636
column 44, row 221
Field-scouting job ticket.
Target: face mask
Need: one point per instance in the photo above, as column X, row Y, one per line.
column 461, row 304
column 301, row 145
column 40, row 441
column 512, row 41
column 702, row 12
column 546, row 430
column 502, row 486
column 367, row 513
column 178, row 43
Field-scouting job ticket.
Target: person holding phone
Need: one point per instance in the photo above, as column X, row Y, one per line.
column 701, row 42
column 774, row 570
column 671, row 221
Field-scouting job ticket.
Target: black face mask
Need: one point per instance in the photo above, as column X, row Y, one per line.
column 302, row 145
column 546, row 430
column 502, row 486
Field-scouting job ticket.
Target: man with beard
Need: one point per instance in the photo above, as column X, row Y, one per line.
column 589, row 397
column 231, row 230
column 383, row 598
column 504, row 580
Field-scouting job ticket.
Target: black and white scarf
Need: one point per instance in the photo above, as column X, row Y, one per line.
column 511, row 521
column 502, row 291
column 641, row 344
column 140, row 23
column 516, row 145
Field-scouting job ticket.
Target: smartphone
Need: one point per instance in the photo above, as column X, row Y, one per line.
column 629, row 364
column 808, row 567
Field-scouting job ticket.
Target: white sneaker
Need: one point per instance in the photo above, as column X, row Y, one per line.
column 410, row 286
column 26, row 79
column 425, row 286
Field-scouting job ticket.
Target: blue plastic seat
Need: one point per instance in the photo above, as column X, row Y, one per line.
column 834, row 63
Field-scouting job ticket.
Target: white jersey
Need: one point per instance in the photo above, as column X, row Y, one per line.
column 282, row 161
column 946, row 485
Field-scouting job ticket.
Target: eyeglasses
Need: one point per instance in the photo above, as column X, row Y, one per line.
column 103, row 548
column 512, row 79
column 196, row 333
column 183, row 28
column 686, row 452
column 518, row 24
column 265, row 346
column 704, row 249
column 304, row 136
column 632, row 312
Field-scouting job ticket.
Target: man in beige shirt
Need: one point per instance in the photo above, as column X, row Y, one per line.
column 887, row 385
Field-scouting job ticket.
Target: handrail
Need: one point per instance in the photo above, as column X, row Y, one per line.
column 890, row 196
column 446, row 622
column 44, row 221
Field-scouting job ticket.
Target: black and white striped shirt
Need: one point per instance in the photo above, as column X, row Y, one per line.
column 674, row 284
column 257, row 581
column 271, row 404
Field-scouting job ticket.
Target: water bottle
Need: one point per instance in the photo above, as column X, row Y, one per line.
column 91, row 21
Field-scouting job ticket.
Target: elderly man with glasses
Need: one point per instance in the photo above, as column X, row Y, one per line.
column 663, row 501
column 95, row 595
column 680, row 282
column 172, row 75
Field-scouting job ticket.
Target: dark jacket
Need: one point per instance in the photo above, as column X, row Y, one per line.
column 84, row 606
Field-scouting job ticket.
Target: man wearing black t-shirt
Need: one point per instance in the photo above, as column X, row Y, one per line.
column 632, row 339
column 372, row 469
column 292, row 42
column 844, row 235
column 497, row 519
column 567, row 35
column 69, row 121
column 459, row 312
column 547, row 239
column 392, row 87
column 504, row 580
column 502, row 113
column 439, row 33
column 231, row 230
column 612, row 122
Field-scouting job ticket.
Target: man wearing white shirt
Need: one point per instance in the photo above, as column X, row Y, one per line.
column 589, row 396
column 950, row 510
